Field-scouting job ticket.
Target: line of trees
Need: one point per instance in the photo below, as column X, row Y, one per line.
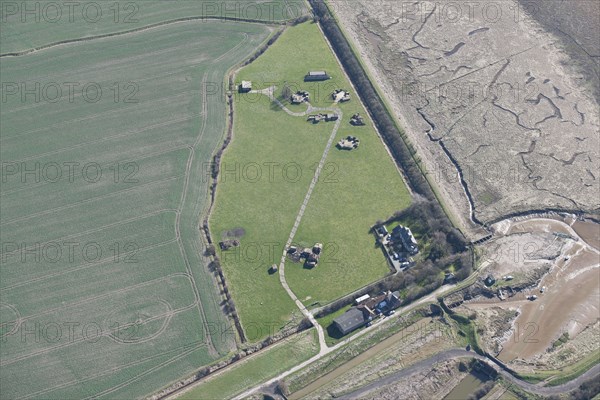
column 263, row 48
column 272, row 40
column 393, row 137
column 214, row 266
column 587, row 390
column 448, row 245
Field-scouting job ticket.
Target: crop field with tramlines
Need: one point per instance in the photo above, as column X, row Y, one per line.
column 104, row 290
column 35, row 24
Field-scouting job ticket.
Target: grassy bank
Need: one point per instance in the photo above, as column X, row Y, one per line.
column 256, row 368
column 342, row 355
column 565, row 374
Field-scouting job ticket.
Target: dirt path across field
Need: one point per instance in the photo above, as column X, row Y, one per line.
column 269, row 92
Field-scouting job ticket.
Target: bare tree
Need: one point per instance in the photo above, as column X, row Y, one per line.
column 210, row 250
column 283, row 388
column 286, row 92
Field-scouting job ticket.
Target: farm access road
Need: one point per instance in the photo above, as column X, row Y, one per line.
column 428, row 363
column 269, row 92
column 326, row 350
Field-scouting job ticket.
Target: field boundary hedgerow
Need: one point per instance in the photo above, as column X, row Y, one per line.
column 150, row 26
column 215, row 167
column 220, row 366
column 399, row 154
column 216, row 159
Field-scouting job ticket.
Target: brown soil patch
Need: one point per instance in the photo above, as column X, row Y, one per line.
column 568, row 296
column 589, row 232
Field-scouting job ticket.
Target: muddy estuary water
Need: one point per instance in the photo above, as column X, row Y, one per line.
column 571, row 298
column 589, row 232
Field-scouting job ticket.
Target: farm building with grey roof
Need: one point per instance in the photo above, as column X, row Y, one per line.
column 317, row 76
column 351, row 320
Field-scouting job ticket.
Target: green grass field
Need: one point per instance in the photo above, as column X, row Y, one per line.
column 255, row 193
column 115, row 299
column 257, row 368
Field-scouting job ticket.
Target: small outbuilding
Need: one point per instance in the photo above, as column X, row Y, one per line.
column 312, row 257
column 382, row 231
column 317, row 248
column 357, row 120
column 313, row 76
column 316, row 118
column 306, row 252
column 245, row 87
column 340, row 96
column 349, row 143
column 362, row 298
column 300, row 97
column 449, row 277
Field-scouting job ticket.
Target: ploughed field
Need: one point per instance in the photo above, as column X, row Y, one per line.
column 266, row 172
column 104, row 290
